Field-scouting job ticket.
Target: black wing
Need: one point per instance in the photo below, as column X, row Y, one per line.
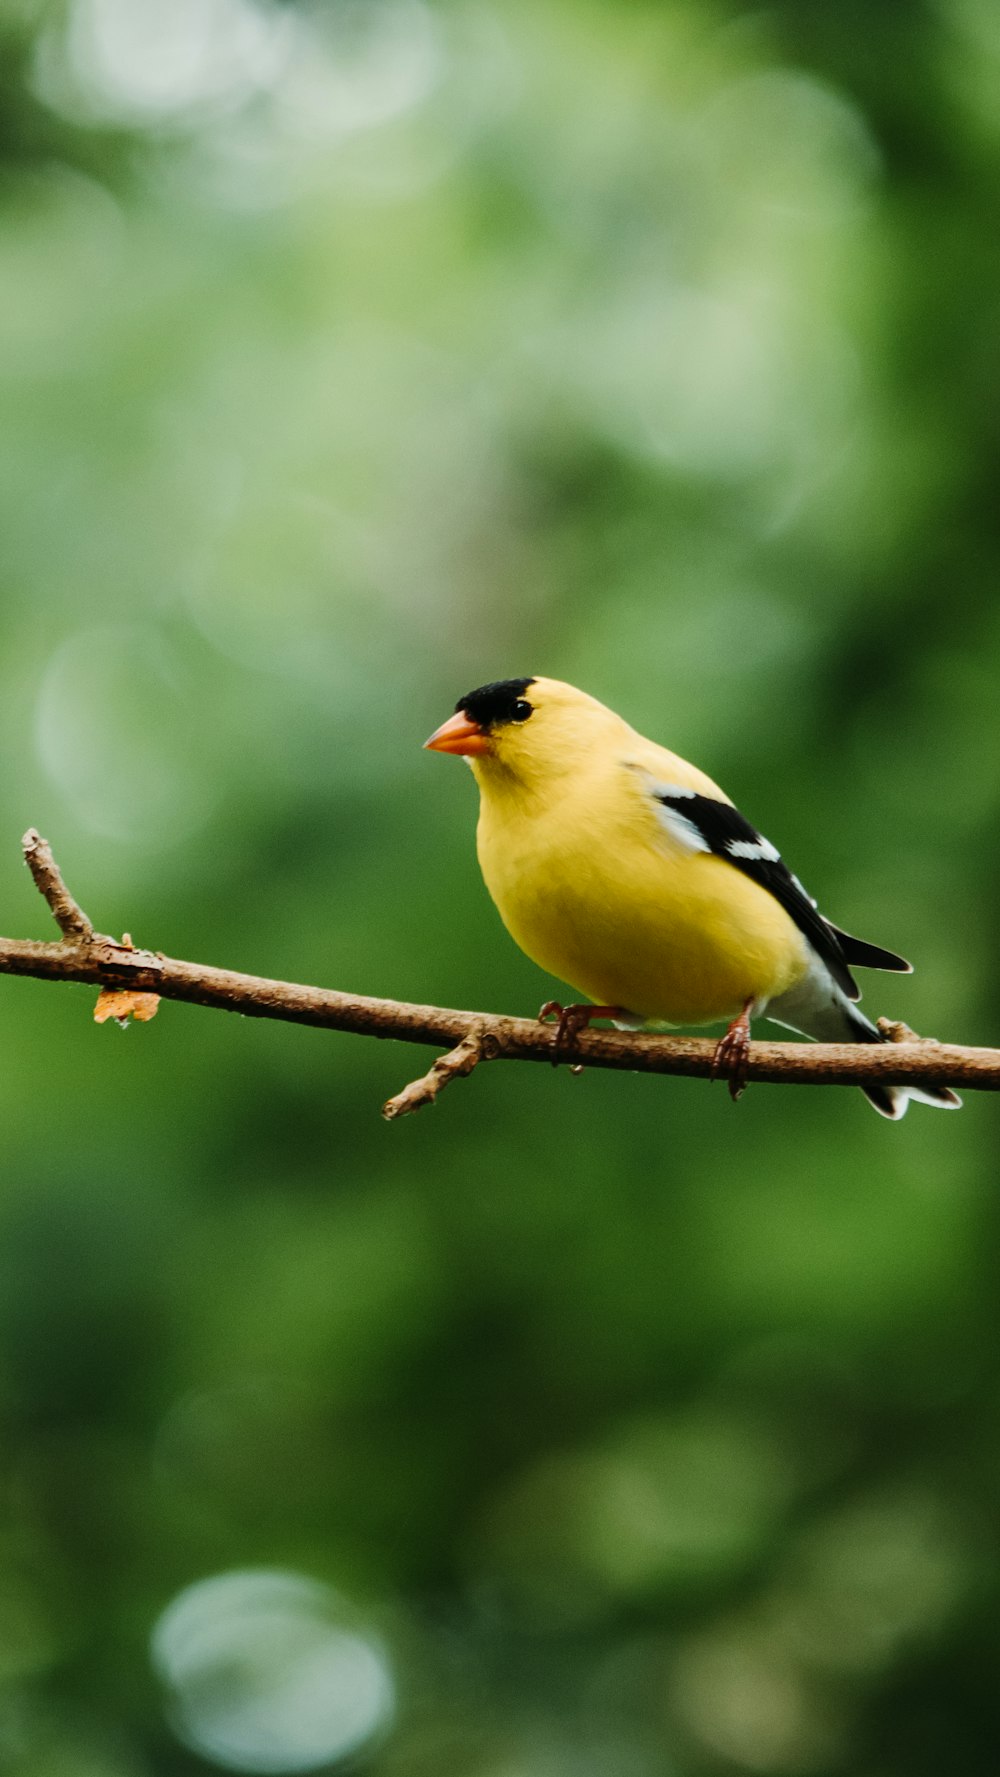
column 717, row 827
column 869, row 956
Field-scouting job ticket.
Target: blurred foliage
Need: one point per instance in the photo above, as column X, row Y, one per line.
column 353, row 354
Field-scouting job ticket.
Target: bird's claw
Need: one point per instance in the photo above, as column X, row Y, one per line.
column 732, row 1055
column 570, row 1020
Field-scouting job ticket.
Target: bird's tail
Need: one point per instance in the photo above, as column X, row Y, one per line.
column 892, row 1101
column 819, row 1008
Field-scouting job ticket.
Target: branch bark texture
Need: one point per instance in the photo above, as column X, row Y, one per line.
column 88, row 956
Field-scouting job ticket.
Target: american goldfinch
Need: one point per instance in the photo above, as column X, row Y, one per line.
column 628, row 873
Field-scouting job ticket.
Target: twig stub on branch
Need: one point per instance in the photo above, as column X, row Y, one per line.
column 67, row 913
column 460, row 1060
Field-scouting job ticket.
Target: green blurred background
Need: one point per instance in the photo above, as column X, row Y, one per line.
column 353, row 354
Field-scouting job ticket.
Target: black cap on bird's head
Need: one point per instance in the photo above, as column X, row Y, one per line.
column 488, row 707
column 502, row 701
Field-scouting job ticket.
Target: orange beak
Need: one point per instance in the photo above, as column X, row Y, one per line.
column 458, row 735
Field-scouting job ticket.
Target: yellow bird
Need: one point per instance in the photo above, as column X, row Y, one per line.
column 628, row 873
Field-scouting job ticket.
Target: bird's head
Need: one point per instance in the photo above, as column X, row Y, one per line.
column 525, row 730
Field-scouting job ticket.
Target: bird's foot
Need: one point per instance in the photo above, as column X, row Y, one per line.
column 732, row 1052
column 570, row 1020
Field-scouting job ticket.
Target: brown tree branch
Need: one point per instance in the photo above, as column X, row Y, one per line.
column 470, row 1037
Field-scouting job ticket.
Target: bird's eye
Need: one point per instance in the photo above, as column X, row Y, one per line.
column 522, row 710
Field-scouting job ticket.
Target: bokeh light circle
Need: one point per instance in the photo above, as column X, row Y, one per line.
column 267, row 1671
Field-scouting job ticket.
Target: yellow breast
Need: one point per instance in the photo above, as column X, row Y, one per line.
column 597, row 892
